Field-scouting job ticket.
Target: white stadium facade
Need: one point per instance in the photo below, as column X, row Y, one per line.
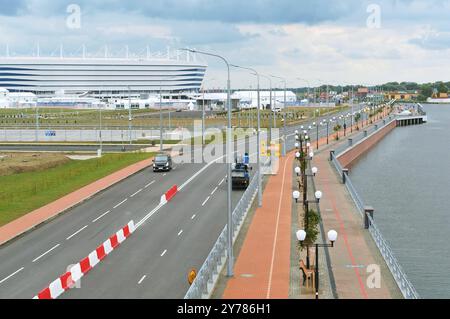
column 100, row 76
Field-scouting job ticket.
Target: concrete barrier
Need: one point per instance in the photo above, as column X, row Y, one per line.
column 349, row 157
column 76, row 272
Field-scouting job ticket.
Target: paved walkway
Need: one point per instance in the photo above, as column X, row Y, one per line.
column 353, row 251
column 262, row 268
column 263, row 265
column 40, row 215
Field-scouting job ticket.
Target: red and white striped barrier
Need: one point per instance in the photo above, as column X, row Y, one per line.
column 167, row 197
column 76, row 272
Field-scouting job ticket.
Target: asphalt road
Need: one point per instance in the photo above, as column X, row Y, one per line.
column 31, row 262
column 153, row 262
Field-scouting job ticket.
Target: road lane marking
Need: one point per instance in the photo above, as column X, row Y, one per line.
column 206, row 200
column 121, row 203
column 221, row 182
column 215, row 190
column 164, row 174
column 13, row 274
column 136, row 193
column 48, row 251
column 142, row 279
column 77, row 232
column 149, row 184
column 101, row 216
column 193, row 216
column 180, row 232
column 163, row 253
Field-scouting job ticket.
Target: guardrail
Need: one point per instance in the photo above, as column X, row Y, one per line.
column 405, row 286
column 208, row 274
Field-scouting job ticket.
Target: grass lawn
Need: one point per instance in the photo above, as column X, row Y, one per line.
column 24, row 192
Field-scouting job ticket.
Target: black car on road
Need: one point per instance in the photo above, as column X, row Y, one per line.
column 162, row 163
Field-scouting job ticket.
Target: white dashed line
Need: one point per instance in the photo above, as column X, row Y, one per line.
column 221, row 182
column 121, row 203
column 163, row 253
column 193, row 216
column 101, row 216
column 149, row 184
column 206, row 200
column 53, row 248
column 215, row 190
column 13, row 274
column 142, row 279
column 77, row 232
column 164, row 174
column 136, row 193
column 180, row 232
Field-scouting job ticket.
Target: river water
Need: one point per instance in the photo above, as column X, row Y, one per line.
column 406, row 178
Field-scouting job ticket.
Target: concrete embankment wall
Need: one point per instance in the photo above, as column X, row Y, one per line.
column 349, row 157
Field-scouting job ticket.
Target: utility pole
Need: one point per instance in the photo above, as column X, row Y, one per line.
column 129, row 115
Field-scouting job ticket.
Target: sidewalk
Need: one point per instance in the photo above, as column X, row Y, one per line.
column 262, row 268
column 43, row 214
column 355, row 250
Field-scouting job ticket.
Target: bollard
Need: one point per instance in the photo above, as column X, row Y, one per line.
column 368, row 210
column 331, row 155
column 365, row 133
column 384, row 122
column 350, row 142
column 344, row 175
column 376, row 127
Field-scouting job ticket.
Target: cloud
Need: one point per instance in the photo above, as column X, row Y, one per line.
column 12, row 8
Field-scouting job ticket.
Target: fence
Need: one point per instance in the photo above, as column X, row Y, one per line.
column 405, row 286
column 208, row 274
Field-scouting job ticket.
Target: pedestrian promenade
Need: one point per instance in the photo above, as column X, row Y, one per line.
column 41, row 215
column 262, row 269
column 354, row 251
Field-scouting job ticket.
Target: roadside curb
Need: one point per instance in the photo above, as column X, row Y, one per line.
column 140, row 166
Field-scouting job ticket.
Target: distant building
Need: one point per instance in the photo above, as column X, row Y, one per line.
column 249, row 99
column 401, row 96
column 100, row 76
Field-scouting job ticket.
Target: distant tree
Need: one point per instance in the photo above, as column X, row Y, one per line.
column 442, row 88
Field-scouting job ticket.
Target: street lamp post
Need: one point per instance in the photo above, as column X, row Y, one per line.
column 129, row 115
column 160, row 120
column 332, row 237
column 229, row 162
column 258, row 137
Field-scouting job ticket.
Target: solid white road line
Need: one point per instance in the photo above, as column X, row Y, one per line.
column 136, row 193
column 121, row 203
column 180, row 232
column 215, row 190
column 163, row 253
column 53, row 248
column 101, row 216
column 142, row 279
column 221, row 182
column 206, row 200
column 149, row 184
column 77, row 232
column 13, row 274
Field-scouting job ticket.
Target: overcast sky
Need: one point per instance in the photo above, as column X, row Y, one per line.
column 333, row 41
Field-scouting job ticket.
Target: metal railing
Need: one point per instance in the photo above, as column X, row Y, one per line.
column 406, row 287
column 208, row 274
